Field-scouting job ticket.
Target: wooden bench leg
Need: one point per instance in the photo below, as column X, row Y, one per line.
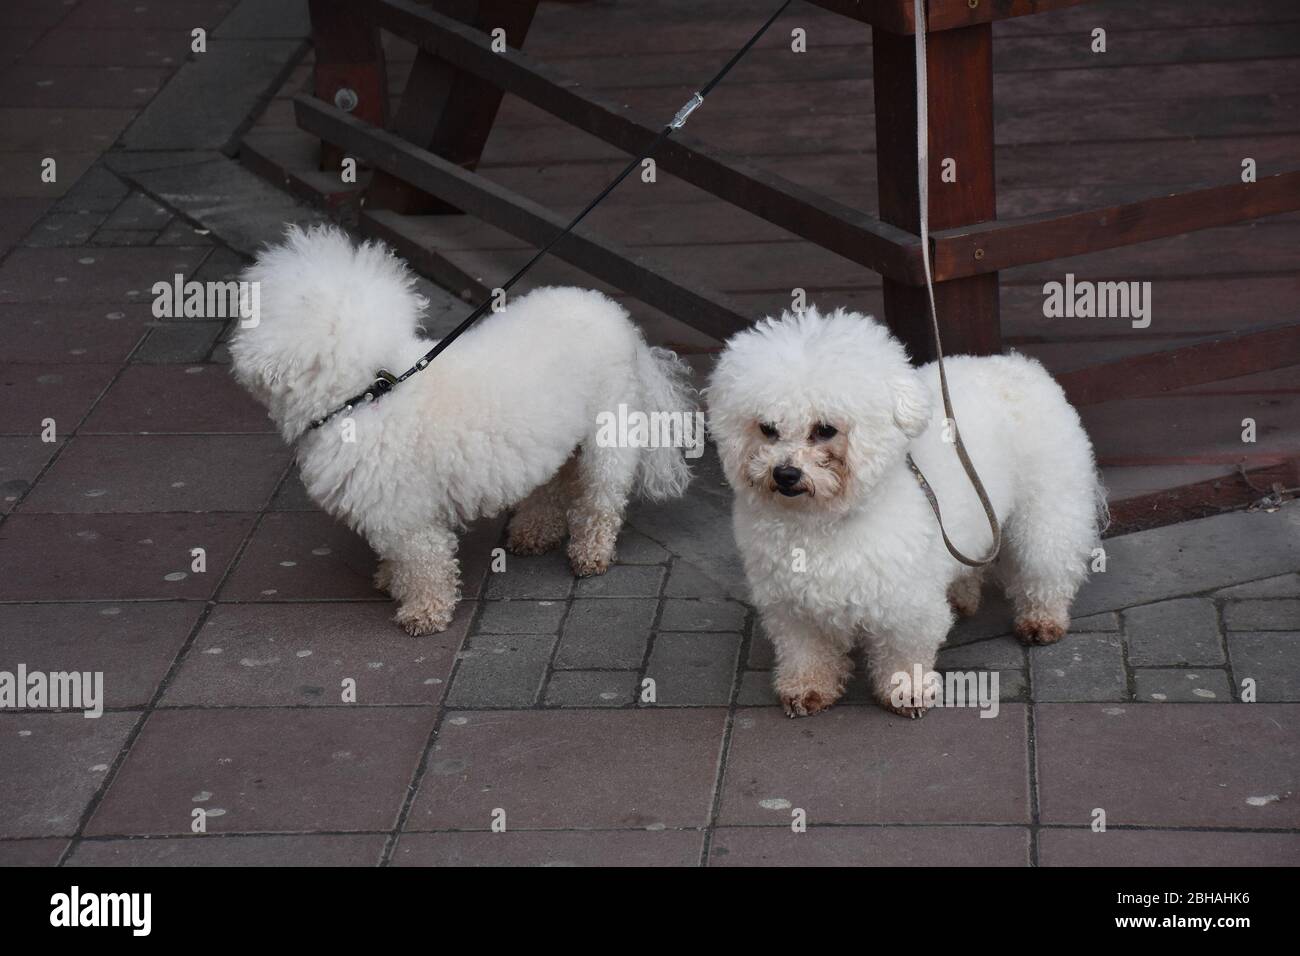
column 448, row 112
column 960, row 77
column 350, row 62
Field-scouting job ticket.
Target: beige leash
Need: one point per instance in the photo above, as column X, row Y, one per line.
column 923, row 188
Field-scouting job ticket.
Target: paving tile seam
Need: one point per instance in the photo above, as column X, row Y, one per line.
column 748, row 628
column 138, row 727
column 702, row 829
column 421, row 765
column 9, row 712
column 63, row 602
column 1031, row 768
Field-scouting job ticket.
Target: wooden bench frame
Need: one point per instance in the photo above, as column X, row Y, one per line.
column 424, row 164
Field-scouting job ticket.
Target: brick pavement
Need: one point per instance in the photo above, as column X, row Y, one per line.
column 225, row 687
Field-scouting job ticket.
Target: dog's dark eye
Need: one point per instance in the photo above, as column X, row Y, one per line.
column 768, row 429
column 824, row 432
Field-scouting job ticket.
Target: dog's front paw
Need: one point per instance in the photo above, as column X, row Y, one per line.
column 803, row 697
column 1041, row 630
column 421, row 619
column 586, row 564
column 806, row 704
column 910, row 711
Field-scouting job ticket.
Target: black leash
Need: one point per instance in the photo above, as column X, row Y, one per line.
column 385, row 381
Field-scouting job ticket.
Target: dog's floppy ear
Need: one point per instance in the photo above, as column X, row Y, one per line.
column 911, row 404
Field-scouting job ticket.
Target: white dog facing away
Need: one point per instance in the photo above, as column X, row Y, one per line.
column 507, row 417
column 814, row 416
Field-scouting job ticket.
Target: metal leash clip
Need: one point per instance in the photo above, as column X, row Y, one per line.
column 384, row 382
column 685, row 112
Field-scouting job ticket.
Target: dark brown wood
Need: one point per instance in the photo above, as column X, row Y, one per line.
column 1200, row 500
column 990, row 246
column 960, row 78
column 446, row 110
column 897, row 16
column 839, row 228
column 639, row 275
column 410, row 237
column 348, row 56
column 1209, row 359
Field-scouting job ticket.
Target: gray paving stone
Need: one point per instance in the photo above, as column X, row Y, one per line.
column 520, row 617
column 993, row 619
column 624, row 581
column 688, row 581
column 138, row 211
column 762, row 656
column 591, row 688
column 210, row 98
column 126, row 163
column 610, row 633
column 756, row 690
column 292, row 496
column 501, row 671
column 697, row 527
column 242, row 209
column 63, row 229
column 1081, row 667
column 98, row 190
column 562, row 768
column 861, row 765
column 307, row 849
column 1271, row 659
column 693, row 669
column 534, row 577
column 551, row 848
column 258, row 19
column 999, row 652
column 1170, row 765
column 1012, row 686
column 1275, row 615
column 1096, row 623
column 1165, row 848
column 705, row 614
column 1284, row 585
column 1193, row 556
column 220, row 264
column 181, row 233
column 1181, row 684
column 181, row 342
column 636, row 548
column 1181, row 631
column 870, row 846
column 123, row 237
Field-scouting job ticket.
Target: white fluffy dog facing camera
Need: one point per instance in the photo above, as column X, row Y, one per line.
column 814, row 416
column 508, row 417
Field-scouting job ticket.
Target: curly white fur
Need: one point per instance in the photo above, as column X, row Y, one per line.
column 849, row 552
column 506, row 417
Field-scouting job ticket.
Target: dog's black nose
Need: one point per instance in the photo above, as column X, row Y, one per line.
column 786, row 476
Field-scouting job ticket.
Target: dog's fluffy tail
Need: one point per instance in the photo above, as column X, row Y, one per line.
column 665, row 389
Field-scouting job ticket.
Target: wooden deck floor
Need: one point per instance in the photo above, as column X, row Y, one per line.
column 1186, row 90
